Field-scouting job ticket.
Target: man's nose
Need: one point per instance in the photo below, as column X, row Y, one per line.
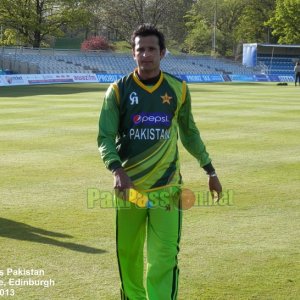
column 146, row 53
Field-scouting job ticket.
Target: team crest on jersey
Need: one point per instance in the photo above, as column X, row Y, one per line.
column 134, row 99
column 166, row 98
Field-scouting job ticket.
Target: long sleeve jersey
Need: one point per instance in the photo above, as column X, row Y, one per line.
column 138, row 130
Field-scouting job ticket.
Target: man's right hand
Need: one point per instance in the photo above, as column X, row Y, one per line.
column 121, row 180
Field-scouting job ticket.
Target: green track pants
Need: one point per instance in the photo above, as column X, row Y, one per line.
column 160, row 227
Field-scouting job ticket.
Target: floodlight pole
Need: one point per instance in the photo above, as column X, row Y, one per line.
column 214, row 30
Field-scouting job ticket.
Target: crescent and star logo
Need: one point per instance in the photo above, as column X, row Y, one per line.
column 166, row 98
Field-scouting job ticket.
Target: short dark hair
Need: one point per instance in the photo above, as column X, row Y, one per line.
column 146, row 30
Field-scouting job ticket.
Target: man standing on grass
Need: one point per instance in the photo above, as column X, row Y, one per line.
column 297, row 73
column 138, row 131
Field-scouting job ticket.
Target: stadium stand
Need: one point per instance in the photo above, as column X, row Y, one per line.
column 278, row 65
column 272, row 59
column 46, row 61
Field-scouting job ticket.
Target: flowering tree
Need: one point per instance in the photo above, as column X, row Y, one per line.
column 95, row 43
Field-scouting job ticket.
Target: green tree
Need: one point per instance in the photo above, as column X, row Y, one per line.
column 122, row 17
column 8, row 37
column 34, row 21
column 229, row 13
column 285, row 21
column 221, row 16
column 199, row 38
column 252, row 23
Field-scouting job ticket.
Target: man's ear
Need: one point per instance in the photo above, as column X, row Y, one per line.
column 132, row 52
column 162, row 53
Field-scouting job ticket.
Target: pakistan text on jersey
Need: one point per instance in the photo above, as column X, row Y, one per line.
column 149, row 134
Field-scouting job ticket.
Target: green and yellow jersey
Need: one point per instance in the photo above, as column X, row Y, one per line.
column 139, row 126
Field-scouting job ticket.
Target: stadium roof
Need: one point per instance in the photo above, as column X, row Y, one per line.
column 273, row 45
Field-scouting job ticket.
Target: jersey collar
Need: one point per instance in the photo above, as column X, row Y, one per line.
column 149, row 89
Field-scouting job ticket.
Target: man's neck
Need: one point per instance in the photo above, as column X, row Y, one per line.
column 148, row 79
column 147, row 75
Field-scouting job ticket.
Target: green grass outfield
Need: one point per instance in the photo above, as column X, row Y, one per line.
column 245, row 248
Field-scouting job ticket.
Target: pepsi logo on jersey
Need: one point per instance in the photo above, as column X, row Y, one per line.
column 149, row 119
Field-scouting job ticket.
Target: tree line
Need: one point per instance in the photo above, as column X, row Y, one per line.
column 192, row 26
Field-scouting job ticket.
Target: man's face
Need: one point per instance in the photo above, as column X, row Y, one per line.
column 147, row 53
